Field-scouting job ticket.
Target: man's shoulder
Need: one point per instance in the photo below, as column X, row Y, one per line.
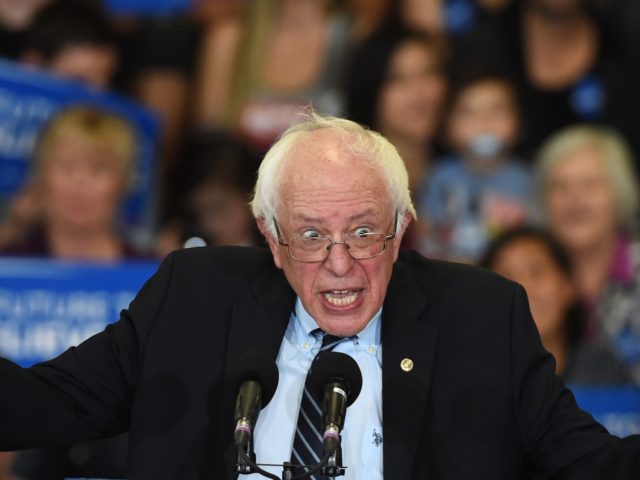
column 440, row 279
column 248, row 263
column 420, row 264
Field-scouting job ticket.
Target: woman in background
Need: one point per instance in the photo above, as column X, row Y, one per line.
column 534, row 259
column 589, row 196
column 397, row 86
column 83, row 165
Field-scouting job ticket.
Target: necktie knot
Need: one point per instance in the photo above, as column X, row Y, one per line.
column 329, row 342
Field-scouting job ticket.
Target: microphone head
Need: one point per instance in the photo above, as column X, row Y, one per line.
column 258, row 366
column 335, row 367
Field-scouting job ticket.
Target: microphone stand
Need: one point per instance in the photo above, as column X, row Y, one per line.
column 246, row 457
column 334, row 467
column 330, row 465
column 247, row 464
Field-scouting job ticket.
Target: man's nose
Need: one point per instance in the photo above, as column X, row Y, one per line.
column 339, row 261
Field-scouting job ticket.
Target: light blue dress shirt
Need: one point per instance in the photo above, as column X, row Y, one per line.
column 362, row 438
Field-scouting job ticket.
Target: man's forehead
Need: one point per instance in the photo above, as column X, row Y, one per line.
column 324, row 152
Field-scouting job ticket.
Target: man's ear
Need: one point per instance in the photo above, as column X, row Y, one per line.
column 404, row 224
column 274, row 246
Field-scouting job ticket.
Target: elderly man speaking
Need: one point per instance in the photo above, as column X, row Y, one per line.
column 456, row 384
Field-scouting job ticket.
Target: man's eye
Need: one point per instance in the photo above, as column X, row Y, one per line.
column 311, row 235
column 361, row 232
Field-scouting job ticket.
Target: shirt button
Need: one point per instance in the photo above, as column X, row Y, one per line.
column 371, row 349
column 306, row 346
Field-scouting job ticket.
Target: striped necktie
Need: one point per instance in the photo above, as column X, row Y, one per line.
column 307, row 443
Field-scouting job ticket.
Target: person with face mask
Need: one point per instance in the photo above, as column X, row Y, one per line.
column 481, row 188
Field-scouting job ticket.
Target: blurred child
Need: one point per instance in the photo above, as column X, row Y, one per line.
column 481, row 188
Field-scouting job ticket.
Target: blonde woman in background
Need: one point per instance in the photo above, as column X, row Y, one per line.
column 83, row 165
column 589, row 196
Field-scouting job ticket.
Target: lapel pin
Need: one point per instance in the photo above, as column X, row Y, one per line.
column 406, row 364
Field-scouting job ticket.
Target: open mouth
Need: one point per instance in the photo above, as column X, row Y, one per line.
column 341, row 298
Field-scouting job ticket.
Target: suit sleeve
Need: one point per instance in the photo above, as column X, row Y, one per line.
column 87, row 391
column 560, row 440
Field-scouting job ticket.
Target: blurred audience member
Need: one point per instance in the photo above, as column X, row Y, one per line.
column 73, row 39
column 220, row 175
column 15, row 18
column 83, row 165
column 481, row 188
column 158, row 65
column 590, row 201
column 368, row 15
column 258, row 71
column 451, row 17
column 397, row 86
column 536, row 261
column 567, row 68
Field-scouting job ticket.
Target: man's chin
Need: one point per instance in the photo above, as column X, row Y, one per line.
column 342, row 325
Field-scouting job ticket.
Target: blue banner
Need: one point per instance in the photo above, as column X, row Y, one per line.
column 138, row 7
column 29, row 98
column 48, row 305
column 615, row 407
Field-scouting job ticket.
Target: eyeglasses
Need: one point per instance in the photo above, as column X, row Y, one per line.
column 316, row 249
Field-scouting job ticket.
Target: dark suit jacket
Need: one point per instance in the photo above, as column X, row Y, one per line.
column 482, row 401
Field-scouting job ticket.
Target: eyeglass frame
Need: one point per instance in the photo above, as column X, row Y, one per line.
column 386, row 237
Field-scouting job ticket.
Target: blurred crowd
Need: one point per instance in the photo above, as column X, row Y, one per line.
column 518, row 121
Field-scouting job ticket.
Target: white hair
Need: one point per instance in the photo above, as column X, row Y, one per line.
column 614, row 154
column 367, row 144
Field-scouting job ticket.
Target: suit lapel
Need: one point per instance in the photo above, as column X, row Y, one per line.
column 258, row 323
column 261, row 325
column 408, row 348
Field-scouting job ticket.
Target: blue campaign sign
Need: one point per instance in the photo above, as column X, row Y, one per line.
column 48, row 305
column 28, row 98
column 127, row 7
column 615, row 407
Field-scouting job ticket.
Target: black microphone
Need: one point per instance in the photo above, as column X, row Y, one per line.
column 256, row 376
column 335, row 377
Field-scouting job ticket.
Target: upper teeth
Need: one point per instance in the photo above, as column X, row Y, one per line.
column 341, row 297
